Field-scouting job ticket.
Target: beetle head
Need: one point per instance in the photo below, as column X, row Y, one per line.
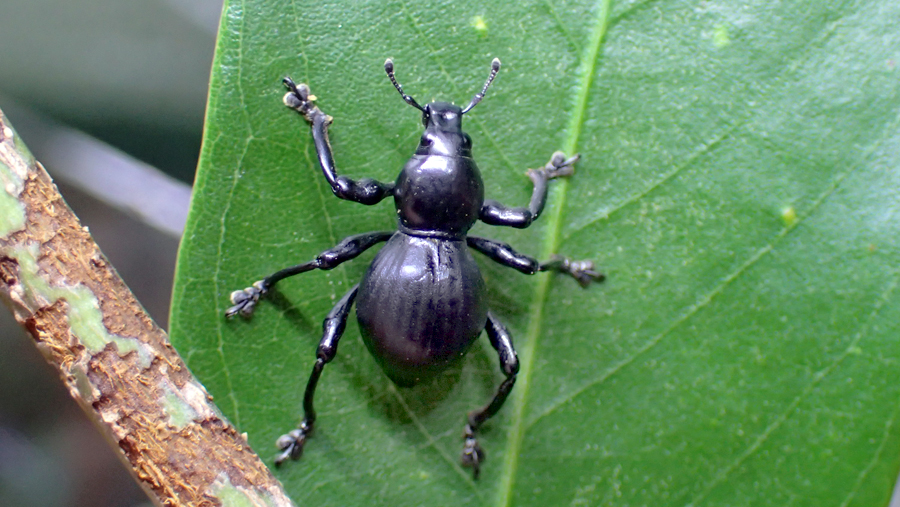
column 443, row 131
column 426, row 113
column 442, row 116
column 442, row 120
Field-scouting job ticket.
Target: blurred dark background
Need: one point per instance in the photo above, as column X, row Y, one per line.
column 110, row 96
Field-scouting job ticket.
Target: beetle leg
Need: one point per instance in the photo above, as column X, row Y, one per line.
column 245, row 300
column 291, row 444
column 472, row 455
column 365, row 191
column 495, row 213
column 583, row 271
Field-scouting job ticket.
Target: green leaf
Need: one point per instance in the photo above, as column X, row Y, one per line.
column 738, row 185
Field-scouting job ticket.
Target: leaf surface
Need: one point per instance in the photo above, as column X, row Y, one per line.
column 738, row 185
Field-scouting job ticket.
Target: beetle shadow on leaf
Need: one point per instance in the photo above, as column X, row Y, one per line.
column 443, row 391
column 504, row 291
column 291, row 313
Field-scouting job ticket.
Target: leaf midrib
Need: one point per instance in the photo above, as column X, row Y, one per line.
column 551, row 244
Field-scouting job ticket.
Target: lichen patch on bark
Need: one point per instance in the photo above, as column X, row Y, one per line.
column 237, row 496
column 12, row 211
column 84, row 314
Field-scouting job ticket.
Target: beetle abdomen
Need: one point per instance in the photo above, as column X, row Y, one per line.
column 420, row 306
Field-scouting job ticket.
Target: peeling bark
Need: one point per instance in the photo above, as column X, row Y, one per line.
column 115, row 361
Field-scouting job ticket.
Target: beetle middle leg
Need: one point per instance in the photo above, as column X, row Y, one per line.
column 501, row 340
column 245, row 300
column 583, row 271
column 291, row 444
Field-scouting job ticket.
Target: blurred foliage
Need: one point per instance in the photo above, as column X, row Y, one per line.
column 134, row 74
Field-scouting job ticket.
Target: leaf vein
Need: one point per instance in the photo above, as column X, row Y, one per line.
column 818, row 377
column 708, row 297
column 876, row 458
column 551, row 243
column 693, row 157
column 220, row 335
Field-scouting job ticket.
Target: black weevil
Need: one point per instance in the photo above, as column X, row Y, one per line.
column 422, row 302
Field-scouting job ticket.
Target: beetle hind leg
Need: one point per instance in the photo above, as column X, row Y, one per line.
column 501, row 340
column 291, row 443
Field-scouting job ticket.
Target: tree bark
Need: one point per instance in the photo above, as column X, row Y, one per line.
column 115, row 361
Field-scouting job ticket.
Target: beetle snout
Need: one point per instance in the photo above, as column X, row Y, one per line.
column 442, row 116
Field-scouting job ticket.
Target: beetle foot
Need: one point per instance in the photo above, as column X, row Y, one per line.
column 291, row 443
column 244, row 301
column 472, row 454
column 583, row 271
column 298, row 98
column 560, row 165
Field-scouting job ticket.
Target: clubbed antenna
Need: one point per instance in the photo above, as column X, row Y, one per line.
column 389, row 68
column 495, row 68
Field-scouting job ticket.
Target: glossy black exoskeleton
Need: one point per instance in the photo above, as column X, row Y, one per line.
column 422, row 302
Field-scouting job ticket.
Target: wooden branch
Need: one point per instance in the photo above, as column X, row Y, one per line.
column 116, row 362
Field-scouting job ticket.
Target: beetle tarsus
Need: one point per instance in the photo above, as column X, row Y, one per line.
column 582, row 271
column 472, row 454
column 291, row 443
column 245, row 300
column 560, row 165
column 299, row 98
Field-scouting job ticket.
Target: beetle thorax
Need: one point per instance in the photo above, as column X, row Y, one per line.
column 439, row 194
column 440, row 190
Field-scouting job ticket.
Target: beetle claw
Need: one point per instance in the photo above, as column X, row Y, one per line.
column 298, row 98
column 560, row 165
column 582, row 271
column 472, row 454
column 244, row 301
column 291, row 443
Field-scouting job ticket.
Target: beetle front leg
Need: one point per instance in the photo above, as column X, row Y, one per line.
column 365, row 191
column 245, row 300
column 501, row 340
column 494, row 213
column 291, row 444
column 583, row 271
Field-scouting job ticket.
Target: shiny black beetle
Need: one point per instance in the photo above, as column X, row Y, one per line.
column 422, row 303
